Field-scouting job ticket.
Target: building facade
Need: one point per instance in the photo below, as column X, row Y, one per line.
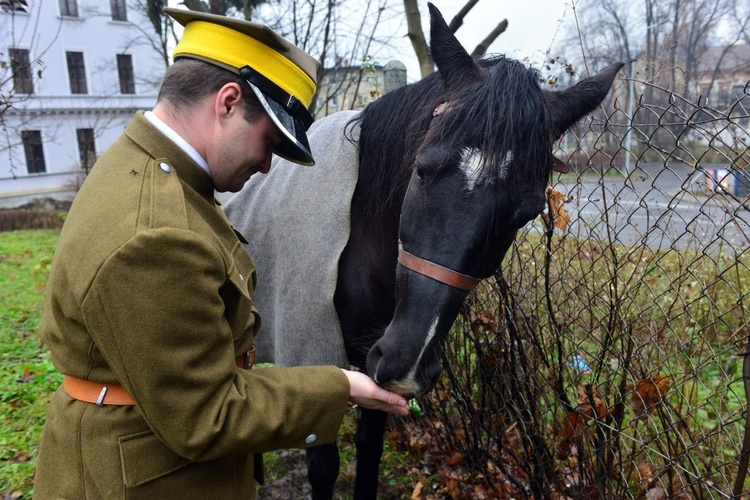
column 74, row 73
column 724, row 73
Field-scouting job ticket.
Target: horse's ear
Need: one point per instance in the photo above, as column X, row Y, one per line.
column 572, row 104
column 453, row 62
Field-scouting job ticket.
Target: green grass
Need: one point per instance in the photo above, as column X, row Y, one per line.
column 27, row 377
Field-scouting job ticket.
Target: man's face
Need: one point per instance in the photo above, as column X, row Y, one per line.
column 241, row 149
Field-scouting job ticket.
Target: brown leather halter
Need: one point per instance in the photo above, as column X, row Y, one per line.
column 436, row 271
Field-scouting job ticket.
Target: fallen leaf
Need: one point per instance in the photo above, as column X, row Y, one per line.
column 455, row 458
column 417, row 493
column 646, row 475
column 573, row 426
column 555, row 201
column 21, row 457
column 647, row 393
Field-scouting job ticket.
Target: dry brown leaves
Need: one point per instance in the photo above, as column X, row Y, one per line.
column 556, row 211
column 575, row 424
column 483, row 320
column 647, row 393
column 648, row 481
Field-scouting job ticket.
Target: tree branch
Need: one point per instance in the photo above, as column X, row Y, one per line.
column 416, row 35
column 458, row 20
column 481, row 49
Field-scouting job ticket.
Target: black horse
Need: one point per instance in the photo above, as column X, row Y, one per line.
column 450, row 168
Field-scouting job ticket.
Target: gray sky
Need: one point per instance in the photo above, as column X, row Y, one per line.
column 533, row 25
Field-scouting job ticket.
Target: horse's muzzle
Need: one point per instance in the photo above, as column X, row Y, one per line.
column 407, row 380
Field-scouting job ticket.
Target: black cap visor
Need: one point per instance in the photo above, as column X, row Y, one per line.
column 292, row 120
column 293, row 146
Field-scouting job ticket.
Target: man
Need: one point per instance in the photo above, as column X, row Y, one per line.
column 149, row 311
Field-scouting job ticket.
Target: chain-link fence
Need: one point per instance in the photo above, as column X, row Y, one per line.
column 605, row 360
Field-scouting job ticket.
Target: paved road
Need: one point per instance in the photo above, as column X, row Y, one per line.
column 660, row 207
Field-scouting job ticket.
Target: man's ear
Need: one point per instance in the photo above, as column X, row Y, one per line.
column 228, row 98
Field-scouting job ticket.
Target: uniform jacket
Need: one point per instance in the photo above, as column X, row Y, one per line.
column 151, row 288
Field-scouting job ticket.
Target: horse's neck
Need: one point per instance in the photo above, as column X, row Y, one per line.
column 387, row 145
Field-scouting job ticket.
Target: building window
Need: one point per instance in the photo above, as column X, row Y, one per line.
column 14, row 6
column 19, row 65
column 32, row 146
column 125, row 72
column 119, row 13
column 68, row 8
column 76, row 73
column 86, row 147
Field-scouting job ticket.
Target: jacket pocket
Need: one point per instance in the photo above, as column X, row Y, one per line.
column 152, row 471
column 145, row 458
column 237, row 294
column 242, row 271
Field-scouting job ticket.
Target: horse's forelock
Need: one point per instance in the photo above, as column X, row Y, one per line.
column 504, row 113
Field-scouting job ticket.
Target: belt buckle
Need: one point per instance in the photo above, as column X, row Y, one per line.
column 102, row 394
column 249, row 358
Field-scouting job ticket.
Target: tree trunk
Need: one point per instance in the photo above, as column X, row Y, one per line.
column 416, row 35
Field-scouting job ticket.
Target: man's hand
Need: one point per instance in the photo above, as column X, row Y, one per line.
column 363, row 391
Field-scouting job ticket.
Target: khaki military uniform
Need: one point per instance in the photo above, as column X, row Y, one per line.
column 152, row 289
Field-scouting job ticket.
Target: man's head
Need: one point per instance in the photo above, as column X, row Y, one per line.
column 273, row 73
column 189, row 81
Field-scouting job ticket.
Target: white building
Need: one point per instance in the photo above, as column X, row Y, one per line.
column 74, row 73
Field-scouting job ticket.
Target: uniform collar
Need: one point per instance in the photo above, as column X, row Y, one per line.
column 155, row 143
column 177, row 139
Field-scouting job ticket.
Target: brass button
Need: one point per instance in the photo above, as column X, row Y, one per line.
column 165, row 167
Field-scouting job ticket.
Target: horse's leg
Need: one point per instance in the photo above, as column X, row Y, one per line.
column 369, row 439
column 322, row 470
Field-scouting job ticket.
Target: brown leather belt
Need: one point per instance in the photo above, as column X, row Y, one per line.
column 101, row 394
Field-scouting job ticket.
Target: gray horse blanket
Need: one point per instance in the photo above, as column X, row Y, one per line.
column 297, row 222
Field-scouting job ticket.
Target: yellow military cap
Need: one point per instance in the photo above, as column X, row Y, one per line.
column 281, row 75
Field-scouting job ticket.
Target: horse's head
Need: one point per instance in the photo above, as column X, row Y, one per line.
column 479, row 175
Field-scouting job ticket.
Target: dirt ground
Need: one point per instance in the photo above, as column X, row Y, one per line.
column 290, row 481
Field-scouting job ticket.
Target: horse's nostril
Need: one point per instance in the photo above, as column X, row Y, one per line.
column 373, row 363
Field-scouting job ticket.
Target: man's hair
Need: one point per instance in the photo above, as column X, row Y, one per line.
column 187, row 81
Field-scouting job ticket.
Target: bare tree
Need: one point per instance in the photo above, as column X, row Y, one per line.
column 668, row 38
column 419, row 42
column 161, row 25
column 17, row 73
column 417, row 38
column 346, row 36
column 225, row 7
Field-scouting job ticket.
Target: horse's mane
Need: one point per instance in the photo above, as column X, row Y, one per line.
column 505, row 112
